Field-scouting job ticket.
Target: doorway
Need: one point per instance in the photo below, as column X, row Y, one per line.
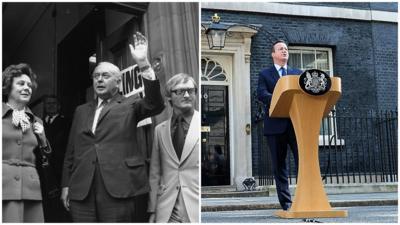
column 74, row 51
column 215, row 157
column 103, row 35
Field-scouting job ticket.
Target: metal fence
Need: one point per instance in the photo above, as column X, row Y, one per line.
column 354, row 147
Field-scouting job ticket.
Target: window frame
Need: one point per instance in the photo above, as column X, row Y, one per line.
column 299, row 49
column 324, row 139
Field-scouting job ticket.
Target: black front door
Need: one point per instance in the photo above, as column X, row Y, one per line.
column 215, row 136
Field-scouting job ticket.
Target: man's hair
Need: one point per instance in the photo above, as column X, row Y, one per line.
column 177, row 79
column 46, row 97
column 50, row 96
column 276, row 42
column 14, row 71
column 111, row 68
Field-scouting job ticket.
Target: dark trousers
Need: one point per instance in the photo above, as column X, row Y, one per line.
column 54, row 211
column 100, row 206
column 278, row 147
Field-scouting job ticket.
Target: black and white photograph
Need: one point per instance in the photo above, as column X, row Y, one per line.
column 100, row 112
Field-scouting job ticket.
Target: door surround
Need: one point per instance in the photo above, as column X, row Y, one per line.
column 237, row 45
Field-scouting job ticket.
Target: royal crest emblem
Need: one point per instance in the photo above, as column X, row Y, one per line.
column 315, row 82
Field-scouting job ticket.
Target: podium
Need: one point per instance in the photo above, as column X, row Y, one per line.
column 306, row 112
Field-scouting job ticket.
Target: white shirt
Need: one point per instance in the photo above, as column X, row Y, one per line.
column 50, row 121
column 97, row 114
column 148, row 74
column 278, row 68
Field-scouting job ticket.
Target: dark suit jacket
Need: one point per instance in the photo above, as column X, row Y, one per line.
column 57, row 135
column 266, row 84
column 121, row 164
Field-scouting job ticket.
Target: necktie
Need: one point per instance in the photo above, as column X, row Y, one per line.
column 283, row 71
column 179, row 137
column 48, row 121
column 97, row 114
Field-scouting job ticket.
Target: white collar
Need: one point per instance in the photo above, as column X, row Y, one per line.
column 278, row 67
column 99, row 101
column 53, row 117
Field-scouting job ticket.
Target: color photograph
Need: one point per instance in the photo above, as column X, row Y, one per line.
column 299, row 112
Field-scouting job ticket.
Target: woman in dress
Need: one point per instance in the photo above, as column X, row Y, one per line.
column 23, row 135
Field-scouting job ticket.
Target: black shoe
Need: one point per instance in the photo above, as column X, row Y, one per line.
column 287, row 206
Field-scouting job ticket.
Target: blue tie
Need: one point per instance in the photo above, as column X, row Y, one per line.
column 283, row 71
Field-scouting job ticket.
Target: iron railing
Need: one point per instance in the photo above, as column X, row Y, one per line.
column 354, row 147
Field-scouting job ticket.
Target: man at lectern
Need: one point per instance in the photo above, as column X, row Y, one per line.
column 279, row 131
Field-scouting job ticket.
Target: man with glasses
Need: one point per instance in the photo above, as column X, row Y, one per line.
column 103, row 169
column 279, row 131
column 174, row 167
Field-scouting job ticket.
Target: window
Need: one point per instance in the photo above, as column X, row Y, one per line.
column 306, row 58
column 212, row 71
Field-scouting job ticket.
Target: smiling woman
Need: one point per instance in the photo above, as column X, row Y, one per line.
column 15, row 76
column 22, row 135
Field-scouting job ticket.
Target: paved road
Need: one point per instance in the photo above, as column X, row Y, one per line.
column 362, row 214
column 334, row 198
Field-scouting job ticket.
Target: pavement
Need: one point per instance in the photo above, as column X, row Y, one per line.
column 358, row 214
column 263, row 203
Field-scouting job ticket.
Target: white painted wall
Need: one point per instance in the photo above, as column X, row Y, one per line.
column 304, row 10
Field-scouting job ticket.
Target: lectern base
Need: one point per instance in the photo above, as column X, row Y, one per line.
column 311, row 214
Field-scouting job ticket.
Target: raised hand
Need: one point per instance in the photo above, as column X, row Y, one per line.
column 139, row 50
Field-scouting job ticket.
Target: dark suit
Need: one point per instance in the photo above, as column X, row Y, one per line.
column 279, row 133
column 110, row 154
column 57, row 134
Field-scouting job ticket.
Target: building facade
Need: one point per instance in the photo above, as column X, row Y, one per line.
column 60, row 41
column 355, row 41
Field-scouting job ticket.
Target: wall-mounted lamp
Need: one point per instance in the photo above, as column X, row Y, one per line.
column 216, row 33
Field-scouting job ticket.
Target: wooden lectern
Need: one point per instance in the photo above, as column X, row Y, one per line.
column 306, row 112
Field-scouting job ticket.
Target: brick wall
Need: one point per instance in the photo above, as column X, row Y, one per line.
column 385, row 52
column 364, row 54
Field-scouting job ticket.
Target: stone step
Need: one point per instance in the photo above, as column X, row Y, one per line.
column 230, row 192
column 265, row 191
column 224, row 188
column 234, row 194
column 348, row 188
